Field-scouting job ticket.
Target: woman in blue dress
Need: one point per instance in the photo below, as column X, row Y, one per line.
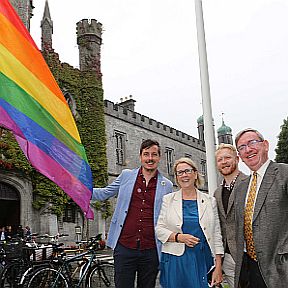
column 188, row 227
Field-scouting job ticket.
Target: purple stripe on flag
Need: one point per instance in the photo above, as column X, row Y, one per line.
column 8, row 123
column 50, row 145
column 55, row 172
column 50, row 168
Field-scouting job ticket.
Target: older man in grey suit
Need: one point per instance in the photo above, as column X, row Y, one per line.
column 261, row 205
column 227, row 163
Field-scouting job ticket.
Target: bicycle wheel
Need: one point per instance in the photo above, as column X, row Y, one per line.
column 10, row 275
column 101, row 275
column 47, row 278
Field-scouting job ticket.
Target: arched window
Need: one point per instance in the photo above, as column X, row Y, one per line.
column 8, row 192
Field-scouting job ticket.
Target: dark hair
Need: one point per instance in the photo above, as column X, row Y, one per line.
column 149, row 143
column 239, row 134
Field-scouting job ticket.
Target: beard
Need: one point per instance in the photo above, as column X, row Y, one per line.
column 228, row 170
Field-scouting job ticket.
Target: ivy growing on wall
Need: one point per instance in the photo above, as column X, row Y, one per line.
column 13, row 159
column 11, row 156
column 87, row 92
column 104, row 207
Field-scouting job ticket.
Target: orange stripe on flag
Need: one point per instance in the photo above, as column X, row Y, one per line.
column 28, row 55
column 13, row 17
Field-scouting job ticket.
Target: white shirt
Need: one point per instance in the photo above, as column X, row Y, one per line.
column 260, row 174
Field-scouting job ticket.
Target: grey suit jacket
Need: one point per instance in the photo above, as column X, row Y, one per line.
column 227, row 221
column 270, row 225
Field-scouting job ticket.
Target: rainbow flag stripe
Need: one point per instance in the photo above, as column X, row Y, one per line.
column 33, row 107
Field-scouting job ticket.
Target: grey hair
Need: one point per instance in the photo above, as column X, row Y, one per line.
column 239, row 134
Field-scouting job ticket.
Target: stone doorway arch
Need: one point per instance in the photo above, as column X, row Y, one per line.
column 9, row 206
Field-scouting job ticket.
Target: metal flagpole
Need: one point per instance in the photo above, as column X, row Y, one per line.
column 206, row 100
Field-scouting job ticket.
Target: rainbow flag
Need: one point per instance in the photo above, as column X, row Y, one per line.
column 33, row 107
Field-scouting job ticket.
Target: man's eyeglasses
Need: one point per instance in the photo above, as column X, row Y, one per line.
column 187, row 171
column 250, row 144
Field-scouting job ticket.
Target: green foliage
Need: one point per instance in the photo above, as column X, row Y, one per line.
column 12, row 157
column 282, row 145
column 104, row 207
column 47, row 192
column 44, row 190
column 86, row 89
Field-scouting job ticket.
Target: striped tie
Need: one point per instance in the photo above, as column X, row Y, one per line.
column 248, row 217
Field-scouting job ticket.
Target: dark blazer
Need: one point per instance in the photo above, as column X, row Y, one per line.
column 270, row 225
column 227, row 221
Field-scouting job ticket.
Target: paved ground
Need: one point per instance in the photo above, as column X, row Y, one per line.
column 107, row 256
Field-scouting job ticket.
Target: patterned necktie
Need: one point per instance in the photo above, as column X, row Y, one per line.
column 248, row 217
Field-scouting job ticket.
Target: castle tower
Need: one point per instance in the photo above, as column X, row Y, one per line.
column 89, row 40
column 24, row 9
column 224, row 134
column 200, row 127
column 46, row 29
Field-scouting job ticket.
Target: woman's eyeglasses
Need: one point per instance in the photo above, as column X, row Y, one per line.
column 187, row 171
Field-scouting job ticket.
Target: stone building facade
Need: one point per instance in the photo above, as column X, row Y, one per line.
column 124, row 128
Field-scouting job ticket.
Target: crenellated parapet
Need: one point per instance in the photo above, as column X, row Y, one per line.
column 89, row 26
column 89, row 40
column 137, row 119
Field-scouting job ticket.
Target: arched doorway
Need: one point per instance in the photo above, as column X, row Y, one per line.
column 9, row 206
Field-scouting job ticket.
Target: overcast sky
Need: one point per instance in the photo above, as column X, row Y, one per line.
column 150, row 51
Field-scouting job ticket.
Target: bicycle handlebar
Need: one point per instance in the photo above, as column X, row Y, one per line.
column 52, row 236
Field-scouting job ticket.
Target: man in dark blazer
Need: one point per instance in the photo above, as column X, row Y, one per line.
column 227, row 164
column 262, row 260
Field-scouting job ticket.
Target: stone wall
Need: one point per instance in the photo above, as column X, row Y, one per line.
column 135, row 128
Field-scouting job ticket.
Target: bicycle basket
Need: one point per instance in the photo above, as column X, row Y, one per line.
column 13, row 250
column 37, row 254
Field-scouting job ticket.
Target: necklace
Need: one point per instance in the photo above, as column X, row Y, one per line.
column 231, row 185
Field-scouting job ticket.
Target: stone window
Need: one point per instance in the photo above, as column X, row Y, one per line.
column 69, row 214
column 72, row 104
column 187, row 155
column 169, row 160
column 203, row 167
column 120, row 147
column 8, row 192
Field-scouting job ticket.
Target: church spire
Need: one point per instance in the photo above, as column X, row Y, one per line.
column 46, row 29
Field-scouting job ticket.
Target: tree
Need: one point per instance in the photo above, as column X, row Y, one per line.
column 282, row 145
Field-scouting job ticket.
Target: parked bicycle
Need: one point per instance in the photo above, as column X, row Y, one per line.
column 24, row 257
column 94, row 273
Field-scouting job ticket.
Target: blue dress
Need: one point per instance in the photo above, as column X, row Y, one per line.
column 190, row 269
